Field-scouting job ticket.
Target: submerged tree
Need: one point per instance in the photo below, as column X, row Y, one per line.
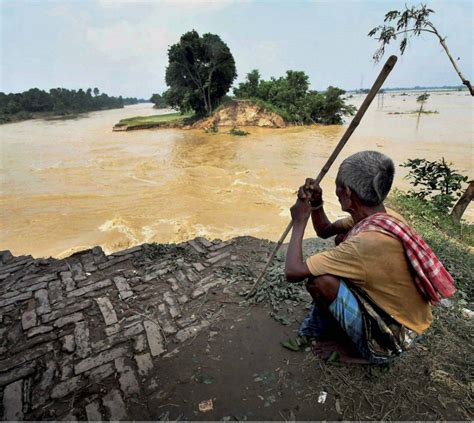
column 421, row 99
column 408, row 23
column 200, row 72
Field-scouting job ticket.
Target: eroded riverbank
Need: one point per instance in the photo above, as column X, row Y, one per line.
column 152, row 332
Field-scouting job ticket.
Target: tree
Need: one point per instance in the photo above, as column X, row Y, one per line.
column 158, row 101
column 291, row 98
column 421, row 99
column 199, row 73
column 461, row 206
column 96, row 92
column 411, row 22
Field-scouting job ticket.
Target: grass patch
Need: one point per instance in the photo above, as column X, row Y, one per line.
column 154, row 119
column 451, row 242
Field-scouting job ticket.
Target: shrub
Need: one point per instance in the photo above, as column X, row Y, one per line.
column 439, row 183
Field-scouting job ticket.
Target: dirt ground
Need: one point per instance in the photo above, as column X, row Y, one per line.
column 240, row 365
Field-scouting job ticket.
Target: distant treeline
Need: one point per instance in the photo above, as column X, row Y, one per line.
column 415, row 88
column 59, row 101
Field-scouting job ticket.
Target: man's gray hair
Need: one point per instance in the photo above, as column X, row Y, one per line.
column 369, row 174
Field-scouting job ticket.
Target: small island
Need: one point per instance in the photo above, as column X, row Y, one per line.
column 198, row 86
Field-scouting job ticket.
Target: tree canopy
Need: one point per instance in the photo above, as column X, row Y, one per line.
column 291, row 98
column 199, row 73
column 159, row 101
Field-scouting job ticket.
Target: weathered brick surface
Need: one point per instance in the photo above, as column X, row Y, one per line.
column 98, row 324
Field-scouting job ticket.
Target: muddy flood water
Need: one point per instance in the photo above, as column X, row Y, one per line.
column 72, row 184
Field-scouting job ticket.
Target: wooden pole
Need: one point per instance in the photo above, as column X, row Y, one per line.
column 389, row 64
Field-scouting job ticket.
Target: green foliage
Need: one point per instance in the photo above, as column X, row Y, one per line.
column 200, row 72
column 439, row 183
column 422, row 98
column 213, row 129
column 410, row 22
column 451, row 242
column 158, row 101
column 290, row 97
column 282, row 296
column 238, row 132
column 154, row 119
column 20, row 106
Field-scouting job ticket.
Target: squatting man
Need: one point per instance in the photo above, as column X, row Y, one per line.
column 377, row 285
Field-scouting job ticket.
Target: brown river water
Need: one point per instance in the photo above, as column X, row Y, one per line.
column 68, row 185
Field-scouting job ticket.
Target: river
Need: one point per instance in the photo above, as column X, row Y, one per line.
column 72, row 184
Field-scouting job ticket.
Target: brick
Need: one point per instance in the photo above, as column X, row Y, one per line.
column 155, row 340
column 66, row 320
column 185, row 334
column 17, row 373
column 67, row 370
column 144, row 364
column 192, row 276
column 139, row 344
column 123, row 287
column 114, row 261
column 81, row 337
column 67, row 281
column 183, row 299
column 214, row 260
column 107, row 310
column 173, row 307
column 174, row 284
column 35, row 287
column 102, row 358
column 89, row 288
column 186, row 321
column 128, row 381
column 31, row 343
column 39, row 330
column 42, row 299
column 55, row 291
column 118, row 338
column 197, row 247
column 48, row 376
column 56, row 314
column 68, row 343
column 100, row 373
column 29, row 318
column 199, row 267
column 128, row 251
column 78, row 272
column 65, row 388
column 204, row 241
column 6, row 256
column 13, row 401
column 115, row 406
column 9, row 294
column 93, row 412
column 29, row 355
column 13, row 300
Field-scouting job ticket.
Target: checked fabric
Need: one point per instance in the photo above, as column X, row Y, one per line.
column 432, row 279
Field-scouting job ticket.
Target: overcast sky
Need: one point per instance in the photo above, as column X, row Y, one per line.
column 121, row 46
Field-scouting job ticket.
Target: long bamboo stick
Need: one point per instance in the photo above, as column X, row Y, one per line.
column 389, row 64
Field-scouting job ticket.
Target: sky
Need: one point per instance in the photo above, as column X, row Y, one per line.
column 120, row 46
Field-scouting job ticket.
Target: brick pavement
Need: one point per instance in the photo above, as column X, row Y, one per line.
column 80, row 338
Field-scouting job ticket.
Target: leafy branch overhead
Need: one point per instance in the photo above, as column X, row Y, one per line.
column 411, row 22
